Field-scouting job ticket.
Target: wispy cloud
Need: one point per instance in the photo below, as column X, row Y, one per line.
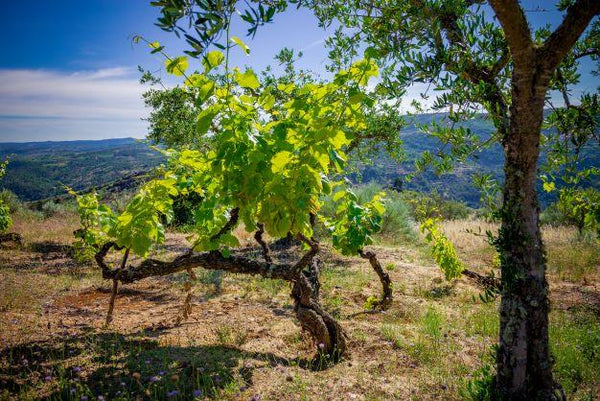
column 52, row 105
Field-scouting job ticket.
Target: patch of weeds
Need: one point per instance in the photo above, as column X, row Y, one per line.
column 390, row 267
column 341, row 277
column 436, row 292
column 297, row 387
column 482, row 321
column 360, row 336
column 228, row 335
column 270, row 287
column 575, row 346
column 391, row 333
column 432, row 324
column 482, row 387
column 574, row 260
column 333, row 305
column 112, row 366
column 211, row 277
column 371, row 302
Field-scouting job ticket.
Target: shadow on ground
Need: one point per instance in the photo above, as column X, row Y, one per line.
column 115, row 366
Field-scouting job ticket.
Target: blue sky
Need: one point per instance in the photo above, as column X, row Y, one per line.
column 68, row 68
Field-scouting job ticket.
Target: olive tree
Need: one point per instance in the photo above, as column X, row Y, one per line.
column 480, row 56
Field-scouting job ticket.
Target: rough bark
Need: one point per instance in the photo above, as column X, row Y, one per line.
column 486, row 282
column 523, row 361
column 328, row 335
column 263, row 245
column 386, row 296
column 114, row 292
column 524, row 365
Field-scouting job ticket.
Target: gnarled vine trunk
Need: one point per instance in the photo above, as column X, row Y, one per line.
column 386, row 283
column 328, row 335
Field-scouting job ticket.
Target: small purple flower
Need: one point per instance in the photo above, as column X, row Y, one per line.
column 172, row 393
column 84, row 398
column 197, row 393
column 216, row 378
column 123, row 384
column 101, row 398
column 147, row 361
column 76, row 379
column 77, row 369
column 47, row 378
column 73, row 390
column 161, row 373
column 71, row 352
column 243, row 388
column 154, row 379
column 321, row 345
column 256, row 397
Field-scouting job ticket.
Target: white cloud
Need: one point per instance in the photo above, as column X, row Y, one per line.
column 50, row 105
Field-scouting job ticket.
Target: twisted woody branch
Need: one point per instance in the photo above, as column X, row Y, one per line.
column 326, row 331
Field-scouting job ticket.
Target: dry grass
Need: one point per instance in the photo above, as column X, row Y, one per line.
column 245, row 343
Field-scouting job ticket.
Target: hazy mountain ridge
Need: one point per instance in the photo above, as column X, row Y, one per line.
column 38, row 170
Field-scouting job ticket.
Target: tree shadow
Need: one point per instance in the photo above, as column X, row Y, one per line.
column 117, row 366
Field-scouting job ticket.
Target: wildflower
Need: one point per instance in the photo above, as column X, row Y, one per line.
column 197, row 393
column 256, row 398
column 161, row 373
column 101, row 398
column 48, row 378
column 321, row 345
column 77, row 369
column 73, row 390
column 172, row 393
column 123, row 384
column 84, row 398
column 154, row 379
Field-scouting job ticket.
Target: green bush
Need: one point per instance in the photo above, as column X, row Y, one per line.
column 397, row 225
column 575, row 345
column 11, row 200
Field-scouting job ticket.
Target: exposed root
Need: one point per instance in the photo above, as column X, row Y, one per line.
column 386, row 282
column 489, row 283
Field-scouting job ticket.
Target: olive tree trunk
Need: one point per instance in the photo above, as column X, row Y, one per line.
column 524, row 364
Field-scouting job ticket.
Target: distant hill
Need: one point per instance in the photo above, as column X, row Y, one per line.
column 38, row 170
